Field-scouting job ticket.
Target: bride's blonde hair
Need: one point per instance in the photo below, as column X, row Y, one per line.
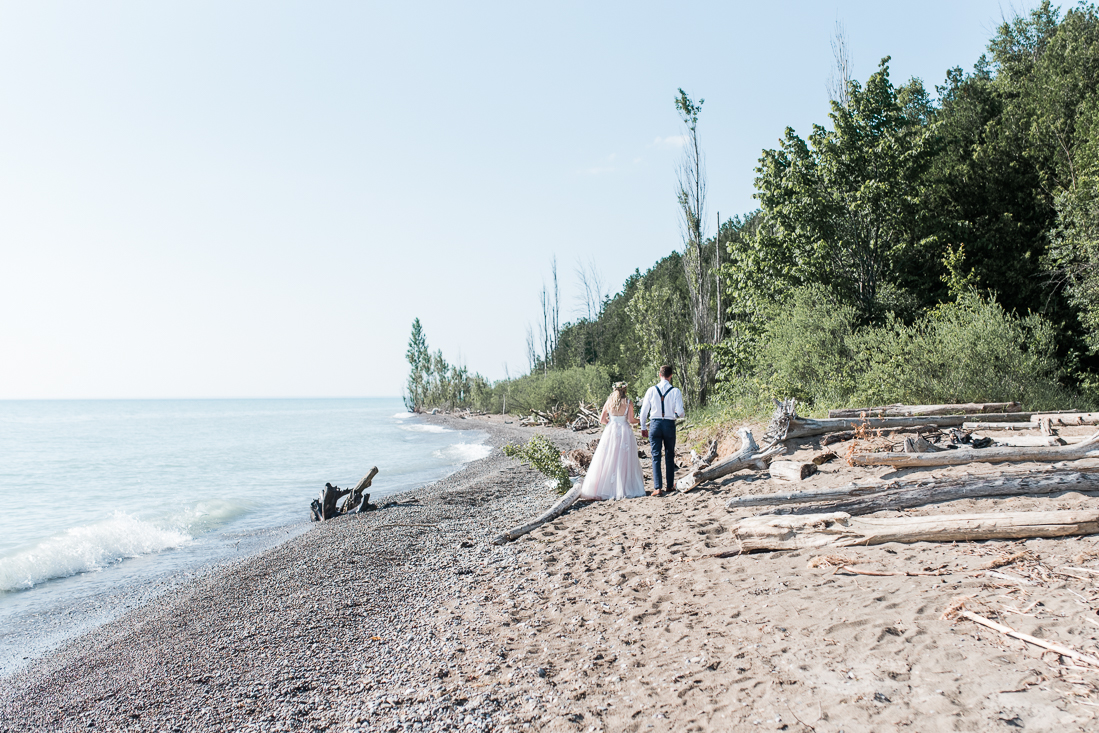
column 616, row 397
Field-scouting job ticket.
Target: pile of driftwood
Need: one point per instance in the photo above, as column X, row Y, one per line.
column 937, row 435
column 901, row 436
column 581, row 417
column 325, row 506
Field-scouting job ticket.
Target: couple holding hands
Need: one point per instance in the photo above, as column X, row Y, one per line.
column 615, row 470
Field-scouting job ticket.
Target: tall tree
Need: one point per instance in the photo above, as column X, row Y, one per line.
column 844, row 208
column 691, row 195
column 841, row 67
column 419, row 360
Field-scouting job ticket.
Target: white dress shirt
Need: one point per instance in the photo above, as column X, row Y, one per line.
column 673, row 403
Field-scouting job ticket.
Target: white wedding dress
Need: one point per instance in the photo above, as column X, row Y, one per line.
column 615, row 470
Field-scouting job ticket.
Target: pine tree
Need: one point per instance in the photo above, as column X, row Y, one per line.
column 419, row 358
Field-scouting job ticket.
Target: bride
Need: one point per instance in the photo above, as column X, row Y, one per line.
column 615, row 470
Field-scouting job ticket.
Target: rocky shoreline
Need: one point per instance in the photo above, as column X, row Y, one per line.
column 336, row 629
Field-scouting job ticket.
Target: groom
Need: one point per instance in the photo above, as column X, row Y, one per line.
column 664, row 403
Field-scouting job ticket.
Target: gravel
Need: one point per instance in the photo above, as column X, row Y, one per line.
column 336, row 629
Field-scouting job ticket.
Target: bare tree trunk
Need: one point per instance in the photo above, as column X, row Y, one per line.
column 914, row 410
column 838, row 529
column 860, row 499
column 981, row 455
column 841, row 70
column 556, row 311
column 719, row 320
column 692, row 201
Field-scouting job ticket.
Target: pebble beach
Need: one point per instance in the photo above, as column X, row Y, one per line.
column 335, row 629
column 617, row 616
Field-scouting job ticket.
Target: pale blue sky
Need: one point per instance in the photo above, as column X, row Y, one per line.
column 235, row 199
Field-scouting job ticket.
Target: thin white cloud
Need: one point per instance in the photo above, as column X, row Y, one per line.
column 673, row 141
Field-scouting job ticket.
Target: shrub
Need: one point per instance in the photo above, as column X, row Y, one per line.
column 805, row 351
column 542, row 455
column 539, row 391
column 971, row 350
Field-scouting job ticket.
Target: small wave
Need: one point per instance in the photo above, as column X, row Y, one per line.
column 87, row 548
column 403, row 415
column 464, row 452
column 426, row 428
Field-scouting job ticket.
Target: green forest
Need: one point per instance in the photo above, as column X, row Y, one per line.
column 922, row 246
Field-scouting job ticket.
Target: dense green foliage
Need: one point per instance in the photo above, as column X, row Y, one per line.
column 917, row 248
column 541, row 455
column 967, row 350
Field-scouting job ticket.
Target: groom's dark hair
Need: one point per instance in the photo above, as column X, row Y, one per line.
column 666, row 371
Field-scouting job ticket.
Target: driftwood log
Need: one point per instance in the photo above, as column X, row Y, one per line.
column 1064, row 651
column 1029, row 441
column 802, row 427
column 325, row 508
column 749, row 456
column 978, row 425
column 1066, row 418
column 839, row 529
column 919, row 445
column 845, row 435
column 857, row 499
column 355, row 500
column 706, row 458
column 792, row 470
column 553, row 513
column 985, row 455
column 968, row 408
column 805, row 427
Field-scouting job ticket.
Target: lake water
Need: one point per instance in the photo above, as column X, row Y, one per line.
column 106, row 503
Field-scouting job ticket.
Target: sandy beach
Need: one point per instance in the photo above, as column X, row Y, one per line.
column 613, row 617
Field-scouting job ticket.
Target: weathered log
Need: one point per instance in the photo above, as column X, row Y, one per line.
column 806, row 427
column 839, row 529
column 706, row 458
column 986, row 455
column 919, row 445
column 858, row 499
column 1026, row 441
column 898, row 410
column 978, row 425
column 784, row 414
column 747, row 457
column 553, row 513
column 791, row 470
column 845, row 435
column 1064, row 651
column 355, row 499
column 329, row 496
column 1067, row 418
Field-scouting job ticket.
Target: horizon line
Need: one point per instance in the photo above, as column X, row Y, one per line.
column 295, row 397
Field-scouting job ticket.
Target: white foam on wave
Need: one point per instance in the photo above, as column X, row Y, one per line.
column 418, row 428
column 95, row 546
column 464, row 452
column 87, row 548
column 403, row 415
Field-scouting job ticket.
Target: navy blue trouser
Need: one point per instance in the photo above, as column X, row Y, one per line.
column 662, row 439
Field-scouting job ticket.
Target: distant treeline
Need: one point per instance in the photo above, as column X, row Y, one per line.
column 920, row 248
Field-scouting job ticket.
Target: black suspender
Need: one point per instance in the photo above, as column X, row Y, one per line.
column 662, row 396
